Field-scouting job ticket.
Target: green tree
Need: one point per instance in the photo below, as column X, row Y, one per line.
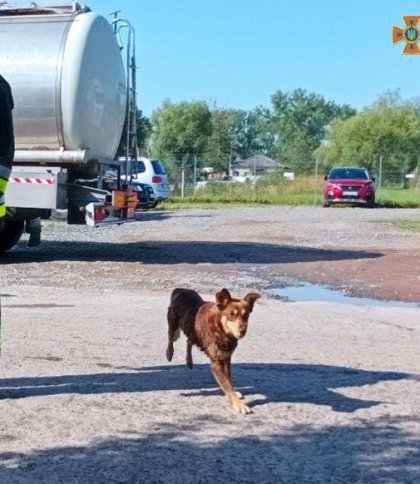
column 219, row 147
column 181, row 131
column 252, row 132
column 238, row 134
column 144, row 130
column 390, row 129
column 300, row 121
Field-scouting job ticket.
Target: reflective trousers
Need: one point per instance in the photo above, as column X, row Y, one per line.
column 7, row 141
column 4, row 176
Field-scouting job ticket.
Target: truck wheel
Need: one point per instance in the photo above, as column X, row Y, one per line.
column 10, row 234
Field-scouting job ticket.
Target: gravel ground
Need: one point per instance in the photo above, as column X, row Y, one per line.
column 86, row 394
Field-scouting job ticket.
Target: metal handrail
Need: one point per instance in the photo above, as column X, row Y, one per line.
column 131, row 107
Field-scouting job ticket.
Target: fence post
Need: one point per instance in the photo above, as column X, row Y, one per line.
column 316, row 180
column 195, row 173
column 380, row 174
column 182, row 182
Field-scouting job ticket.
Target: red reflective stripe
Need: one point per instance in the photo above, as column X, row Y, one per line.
column 37, row 181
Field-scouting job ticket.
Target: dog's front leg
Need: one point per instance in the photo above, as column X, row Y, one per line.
column 221, row 374
column 229, row 372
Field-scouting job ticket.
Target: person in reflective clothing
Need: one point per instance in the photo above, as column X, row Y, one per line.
column 7, row 142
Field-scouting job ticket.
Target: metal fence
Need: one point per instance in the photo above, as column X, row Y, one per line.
column 195, row 173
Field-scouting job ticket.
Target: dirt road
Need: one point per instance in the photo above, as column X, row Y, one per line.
column 86, row 394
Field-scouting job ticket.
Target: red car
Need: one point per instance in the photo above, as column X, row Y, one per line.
column 349, row 185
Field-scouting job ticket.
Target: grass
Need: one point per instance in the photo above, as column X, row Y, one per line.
column 399, row 198
column 298, row 192
column 302, row 191
column 413, row 225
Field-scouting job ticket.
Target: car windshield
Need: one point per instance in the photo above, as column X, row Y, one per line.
column 158, row 167
column 348, row 174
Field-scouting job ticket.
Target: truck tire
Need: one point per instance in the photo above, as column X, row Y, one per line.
column 10, row 234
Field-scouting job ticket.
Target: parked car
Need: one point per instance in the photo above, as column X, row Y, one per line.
column 145, row 195
column 244, row 176
column 349, row 185
column 152, row 172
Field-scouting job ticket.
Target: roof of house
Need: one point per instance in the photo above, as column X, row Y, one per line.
column 257, row 161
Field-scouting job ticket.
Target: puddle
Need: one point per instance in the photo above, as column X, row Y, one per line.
column 316, row 292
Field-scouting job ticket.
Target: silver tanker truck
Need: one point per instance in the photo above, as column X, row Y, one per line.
column 72, row 93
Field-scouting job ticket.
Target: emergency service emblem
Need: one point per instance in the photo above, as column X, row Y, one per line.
column 410, row 35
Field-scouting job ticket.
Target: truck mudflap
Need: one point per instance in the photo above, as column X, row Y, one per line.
column 121, row 209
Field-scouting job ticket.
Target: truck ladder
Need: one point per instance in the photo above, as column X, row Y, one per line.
column 131, row 110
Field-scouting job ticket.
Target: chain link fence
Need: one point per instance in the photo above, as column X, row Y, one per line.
column 194, row 174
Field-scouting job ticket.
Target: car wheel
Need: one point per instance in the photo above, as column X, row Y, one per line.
column 326, row 204
column 371, row 203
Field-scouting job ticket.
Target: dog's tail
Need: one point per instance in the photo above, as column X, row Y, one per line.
column 174, row 331
column 173, row 317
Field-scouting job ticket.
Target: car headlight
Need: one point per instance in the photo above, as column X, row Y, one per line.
column 333, row 186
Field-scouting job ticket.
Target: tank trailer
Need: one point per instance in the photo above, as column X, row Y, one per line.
column 73, row 92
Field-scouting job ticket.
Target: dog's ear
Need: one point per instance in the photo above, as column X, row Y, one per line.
column 223, row 298
column 251, row 298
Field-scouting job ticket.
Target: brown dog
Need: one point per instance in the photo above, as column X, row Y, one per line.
column 215, row 328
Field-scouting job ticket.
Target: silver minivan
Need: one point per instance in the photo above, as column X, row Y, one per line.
column 152, row 172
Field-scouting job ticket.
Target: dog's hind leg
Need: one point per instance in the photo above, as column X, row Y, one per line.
column 173, row 332
column 189, row 355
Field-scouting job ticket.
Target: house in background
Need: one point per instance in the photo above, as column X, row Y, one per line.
column 252, row 168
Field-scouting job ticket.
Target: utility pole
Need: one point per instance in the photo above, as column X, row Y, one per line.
column 380, row 173
column 182, row 182
column 195, row 172
column 230, row 159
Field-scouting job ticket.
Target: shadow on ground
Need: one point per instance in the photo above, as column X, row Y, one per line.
column 164, row 214
column 197, row 449
column 292, row 383
column 376, row 451
column 179, row 252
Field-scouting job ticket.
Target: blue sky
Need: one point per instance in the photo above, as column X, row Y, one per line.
column 237, row 53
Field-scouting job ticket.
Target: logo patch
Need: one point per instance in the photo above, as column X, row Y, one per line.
column 410, row 35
